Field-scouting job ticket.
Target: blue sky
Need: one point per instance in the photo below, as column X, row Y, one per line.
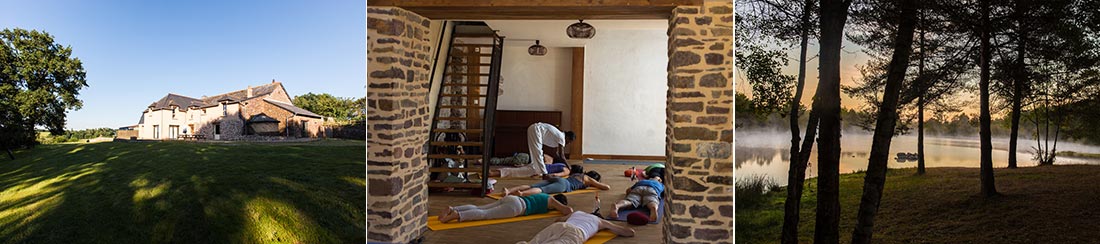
column 135, row 52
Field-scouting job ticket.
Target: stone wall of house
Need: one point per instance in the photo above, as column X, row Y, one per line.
column 398, row 69
column 253, row 107
column 700, row 125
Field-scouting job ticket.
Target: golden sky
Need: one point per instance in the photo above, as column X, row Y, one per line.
column 851, row 57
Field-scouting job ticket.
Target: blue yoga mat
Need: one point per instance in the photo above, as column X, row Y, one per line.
column 660, row 208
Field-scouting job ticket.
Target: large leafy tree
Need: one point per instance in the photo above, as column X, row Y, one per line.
column 341, row 109
column 39, row 83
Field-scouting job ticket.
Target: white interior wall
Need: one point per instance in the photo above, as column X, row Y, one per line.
column 625, row 83
column 537, row 83
column 440, row 62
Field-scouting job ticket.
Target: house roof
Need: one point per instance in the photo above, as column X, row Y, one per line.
column 185, row 102
column 292, row 108
column 166, row 102
column 262, row 118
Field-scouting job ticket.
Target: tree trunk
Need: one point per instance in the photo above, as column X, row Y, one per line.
column 5, row 146
column 875, row 178
column 797, row 171
column 920, row 99
column 1017, row 83
column 988, row 187
column 834, row 13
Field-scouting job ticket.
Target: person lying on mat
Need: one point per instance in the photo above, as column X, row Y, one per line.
column 644, row 193
column 574, row 181
column 507, row 207
column 557, row 169
column 577, row 228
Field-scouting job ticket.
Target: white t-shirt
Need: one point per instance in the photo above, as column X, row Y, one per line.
column 551, row 136
column 588, row 223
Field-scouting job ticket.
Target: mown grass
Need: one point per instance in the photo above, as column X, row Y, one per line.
column 176, row 192
column 1049, row 204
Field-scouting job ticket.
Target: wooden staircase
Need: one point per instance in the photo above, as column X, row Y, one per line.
column 462, row 126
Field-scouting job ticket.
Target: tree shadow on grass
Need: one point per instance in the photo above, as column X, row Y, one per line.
column 172, row 192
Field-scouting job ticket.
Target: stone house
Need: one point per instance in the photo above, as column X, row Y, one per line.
column 264, row 110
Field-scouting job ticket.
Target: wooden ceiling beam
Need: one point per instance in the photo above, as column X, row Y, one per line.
column 538, row 9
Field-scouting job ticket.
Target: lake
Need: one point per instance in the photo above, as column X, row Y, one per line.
column 768, row 153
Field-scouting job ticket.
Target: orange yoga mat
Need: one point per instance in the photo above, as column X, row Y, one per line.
column 601, row 237
column 498, row 196
column 434, row 224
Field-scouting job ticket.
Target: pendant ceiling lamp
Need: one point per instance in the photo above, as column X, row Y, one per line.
column 536, row 50
column 580, row 30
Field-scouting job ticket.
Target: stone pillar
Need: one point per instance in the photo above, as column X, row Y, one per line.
column 700, row 125
column 398, row 73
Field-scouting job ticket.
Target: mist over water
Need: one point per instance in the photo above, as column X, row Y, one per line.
column 768, row 153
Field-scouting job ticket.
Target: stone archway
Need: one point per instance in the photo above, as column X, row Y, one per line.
column 699, row 132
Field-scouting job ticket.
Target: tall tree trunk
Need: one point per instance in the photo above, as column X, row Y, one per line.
column 875, row 178
column 1018, row 82
column 834, row 13
column 797, row 171
column 988, row 187
column 5, row 146
column 921, row 84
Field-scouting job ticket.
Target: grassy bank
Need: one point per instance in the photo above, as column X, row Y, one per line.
column 175, row 192
column 1050, row 204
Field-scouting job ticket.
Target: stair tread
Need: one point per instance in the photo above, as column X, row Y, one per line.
column 459, row 130
column 458, row 156
column 456, row 143
column 454, row 170
column 455, row 185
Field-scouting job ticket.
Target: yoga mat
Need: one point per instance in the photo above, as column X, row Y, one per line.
column 498, row 196
column 601, row 237
column 434, row 224
column 627, row 162
column 644, row 210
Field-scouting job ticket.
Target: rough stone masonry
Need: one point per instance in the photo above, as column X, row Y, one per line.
column 398, row 73
column 700, row 130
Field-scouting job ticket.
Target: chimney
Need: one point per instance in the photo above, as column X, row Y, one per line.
column 272, row 81
column 249, row 91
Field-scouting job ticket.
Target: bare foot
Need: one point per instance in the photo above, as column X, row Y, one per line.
column 614, row 214
column 652, row 217
column 450, row 216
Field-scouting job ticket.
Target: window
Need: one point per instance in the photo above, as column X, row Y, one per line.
column 225, row 109
column 217, row 129
column 156, row 131
column 173, row 131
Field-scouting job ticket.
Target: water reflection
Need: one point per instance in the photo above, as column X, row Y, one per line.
column 769, row 153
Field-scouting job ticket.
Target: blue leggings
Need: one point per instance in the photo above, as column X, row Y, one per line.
column 554, row 185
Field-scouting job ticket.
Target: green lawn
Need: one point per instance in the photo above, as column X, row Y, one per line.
column 1047, row 204
column 178, row 192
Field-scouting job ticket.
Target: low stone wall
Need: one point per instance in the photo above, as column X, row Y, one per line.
column 354, row 131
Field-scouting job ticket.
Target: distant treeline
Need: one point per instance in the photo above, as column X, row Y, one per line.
column 1079, row 128
column 74, row 135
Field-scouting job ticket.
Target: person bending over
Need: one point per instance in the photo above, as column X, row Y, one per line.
column 576, row 229
column 645, row 193
column 507, row 207
column 540, row 135
column 574, row 181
